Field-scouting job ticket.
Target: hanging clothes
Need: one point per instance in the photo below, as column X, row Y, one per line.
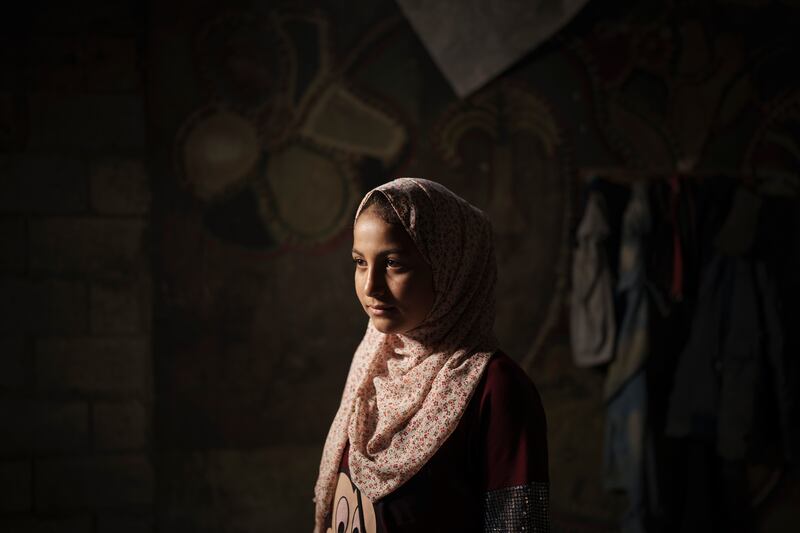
column 631, row 345
column 625, row 387
column 735, row 350
column 592, row 319
column 693, row 401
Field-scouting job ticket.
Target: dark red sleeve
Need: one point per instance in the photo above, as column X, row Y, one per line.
column 513, row 430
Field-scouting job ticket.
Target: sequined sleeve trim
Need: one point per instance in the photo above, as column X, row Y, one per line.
column 513, row 509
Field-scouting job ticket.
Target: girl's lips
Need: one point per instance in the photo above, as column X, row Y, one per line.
column 381, row 311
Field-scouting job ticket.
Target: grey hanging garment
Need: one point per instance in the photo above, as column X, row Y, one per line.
column 592, row 321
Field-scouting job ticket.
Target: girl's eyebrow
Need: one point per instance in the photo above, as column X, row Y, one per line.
column 384, row 252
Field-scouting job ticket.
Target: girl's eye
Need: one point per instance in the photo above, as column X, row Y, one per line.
column 392, row 263
column 359, row 262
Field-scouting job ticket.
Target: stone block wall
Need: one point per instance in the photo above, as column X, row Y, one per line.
column 76, row 379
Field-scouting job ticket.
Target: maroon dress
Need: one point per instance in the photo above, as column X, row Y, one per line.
column 491, row 474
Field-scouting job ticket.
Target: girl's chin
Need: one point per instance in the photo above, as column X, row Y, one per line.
column 387, row 325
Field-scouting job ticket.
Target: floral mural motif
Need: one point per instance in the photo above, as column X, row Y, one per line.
column 274, row 156
column 507, row 149
column 663, row 86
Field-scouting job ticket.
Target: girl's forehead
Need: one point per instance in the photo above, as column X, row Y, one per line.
column 373, row 233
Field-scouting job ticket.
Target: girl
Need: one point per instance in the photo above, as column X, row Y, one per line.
column 437, row 430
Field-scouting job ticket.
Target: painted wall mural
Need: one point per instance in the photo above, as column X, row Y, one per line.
column 506, row 150
column 686, row 87
column 283, row 121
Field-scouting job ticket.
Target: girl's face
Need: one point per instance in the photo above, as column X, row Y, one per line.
column 393, row 282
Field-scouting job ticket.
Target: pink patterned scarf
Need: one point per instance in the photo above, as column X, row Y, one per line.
column 405, row 393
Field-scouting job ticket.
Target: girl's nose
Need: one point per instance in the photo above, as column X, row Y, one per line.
column 374, row 284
